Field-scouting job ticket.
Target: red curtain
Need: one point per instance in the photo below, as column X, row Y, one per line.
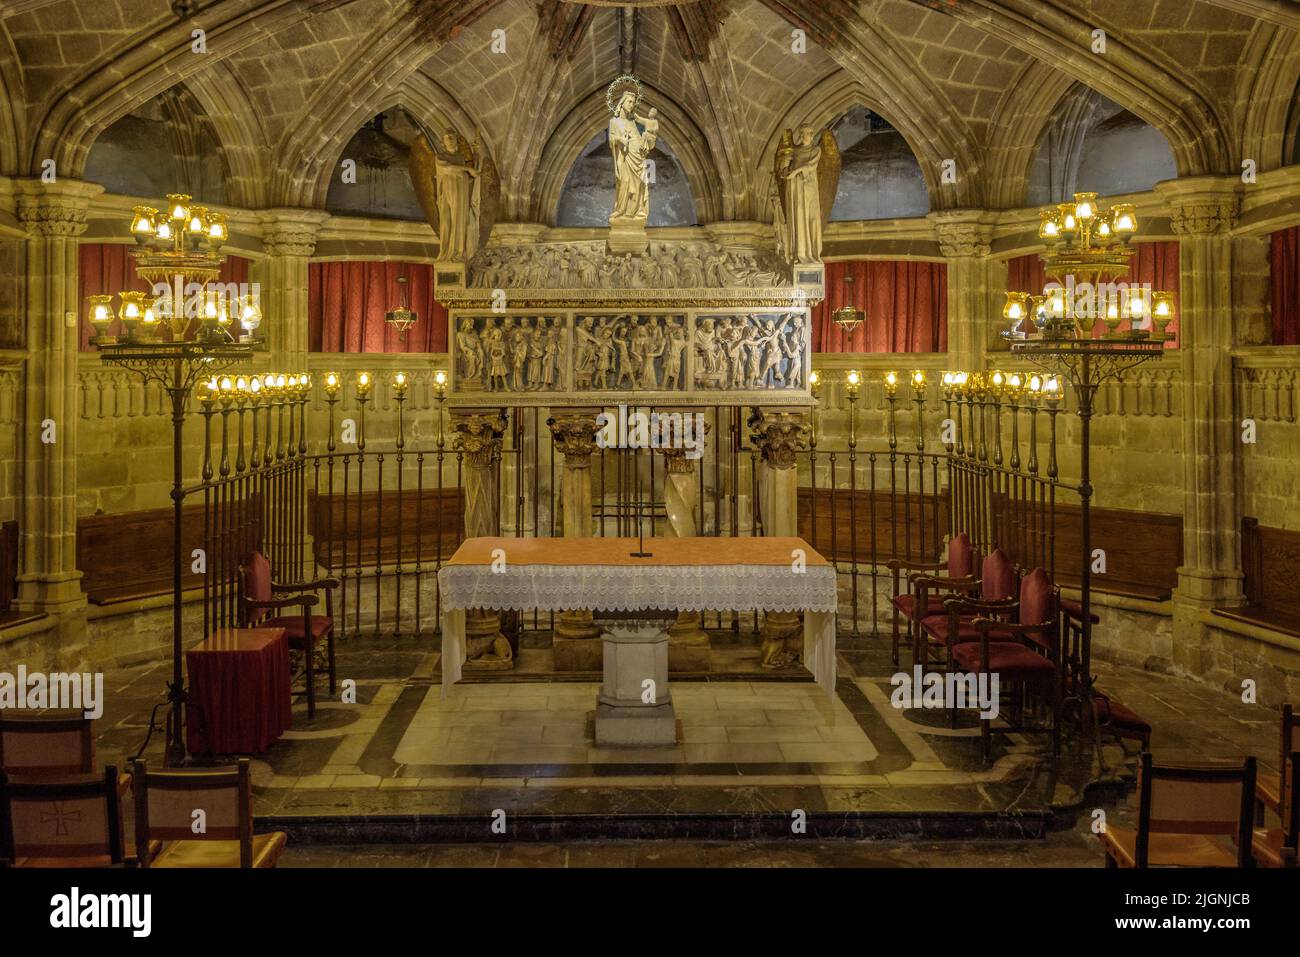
column 106, row 268
column 1284, row 269
column 1153, row 264
column 906, row 304
column 346, row 302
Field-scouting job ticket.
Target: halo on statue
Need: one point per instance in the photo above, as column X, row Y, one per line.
column 626, row 83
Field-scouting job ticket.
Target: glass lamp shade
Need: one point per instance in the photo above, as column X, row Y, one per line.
column 1162, row 312
column 1085, row 206
column 891, row 383
column 332, row 384
column 178, row 206
column 143, row 223
column 131, row 311
column 100, row 314
column 1068, row 219
column 1123, row 219
column 1049, row 229
column 250, row 314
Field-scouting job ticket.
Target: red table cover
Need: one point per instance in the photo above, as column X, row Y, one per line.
column 239, row 678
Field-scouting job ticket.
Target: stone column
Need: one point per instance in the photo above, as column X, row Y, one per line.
column 53, row 215
column 688, row 644
column 289, row 238
column 779, row 436
column 477, row 433
column 964, row 239
column 1203, row 211
column 574, row 434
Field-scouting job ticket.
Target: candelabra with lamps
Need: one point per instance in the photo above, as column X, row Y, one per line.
column 174, row 336
column 1088, row 247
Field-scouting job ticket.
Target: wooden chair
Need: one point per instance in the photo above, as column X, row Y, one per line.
column 166, row 803
column 303, row 631
column 925, row 590
column 1277, row 847
column 996, row 587
column 1180, row 811
column 1025, row 653
column 46, row 744
column 70, row 821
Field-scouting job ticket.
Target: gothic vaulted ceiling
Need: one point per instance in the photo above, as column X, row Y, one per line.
column 286, row 83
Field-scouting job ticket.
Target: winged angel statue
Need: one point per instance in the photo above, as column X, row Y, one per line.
column 459, row 191
column 804, row 178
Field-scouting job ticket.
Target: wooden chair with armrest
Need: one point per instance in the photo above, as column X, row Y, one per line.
column 69, row 821
column 1182, row 809
column 166, row 815
column 996, row 588
column 923, row 595
column 262, row 596
column 1025, row 654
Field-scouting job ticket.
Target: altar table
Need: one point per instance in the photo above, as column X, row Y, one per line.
column 239, row 678
column 682, row 574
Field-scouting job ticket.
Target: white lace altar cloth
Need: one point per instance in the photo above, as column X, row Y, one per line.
column 600, row 574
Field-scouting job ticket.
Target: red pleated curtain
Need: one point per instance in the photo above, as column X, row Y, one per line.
column 346, row 302
column 1153, row 264
column 107, row 269
column 906, row 306
column 1284, row 269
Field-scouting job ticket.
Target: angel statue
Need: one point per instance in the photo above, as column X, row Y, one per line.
column 458, row 189
column 631, row 138
column 806, row 173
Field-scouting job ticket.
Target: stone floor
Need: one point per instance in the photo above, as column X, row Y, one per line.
column 410, row 778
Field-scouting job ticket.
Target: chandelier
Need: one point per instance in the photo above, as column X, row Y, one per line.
column 401, row 318
column 1088, row 249
column 178, row 252
column 847, row 316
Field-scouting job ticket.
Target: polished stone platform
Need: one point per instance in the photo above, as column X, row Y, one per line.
column 757, row 750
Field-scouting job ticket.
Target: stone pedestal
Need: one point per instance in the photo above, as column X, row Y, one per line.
column 688, row 645
column 627, row 236
column 477, row 433
column 574, row 433
column 631, row 712
column 780, row 436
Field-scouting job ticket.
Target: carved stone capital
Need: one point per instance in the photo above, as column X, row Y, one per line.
column 54, row 209
column 962, row 234
column 1201, row 205
column 478, row 435
column 574, row 434
column 291, row 232
column 779, row 436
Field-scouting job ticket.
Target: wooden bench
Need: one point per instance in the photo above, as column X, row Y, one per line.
column 1143, row 550
column 365, row 529
column 1270, row 560
column 128, row 556
column 897, row 522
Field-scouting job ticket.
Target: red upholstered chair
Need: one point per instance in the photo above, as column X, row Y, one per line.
column 71, row 821
column 262, row 597
column 1024, row 654
column 925, row 591
column 1181, row 811
column 996, row 587
column 1277, row 847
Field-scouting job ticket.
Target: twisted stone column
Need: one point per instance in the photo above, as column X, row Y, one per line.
column 688, row 644
column 1203, row 212
column 780, row 436
column 477, row 433
column 574, row 435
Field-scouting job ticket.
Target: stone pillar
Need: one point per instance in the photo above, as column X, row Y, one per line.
column 1203, row 211
column 477, row 433
column 779, row 436
column 574, row 434
column 53, row 215
column 964, row 239
column 688, row 644
column 289, row 238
